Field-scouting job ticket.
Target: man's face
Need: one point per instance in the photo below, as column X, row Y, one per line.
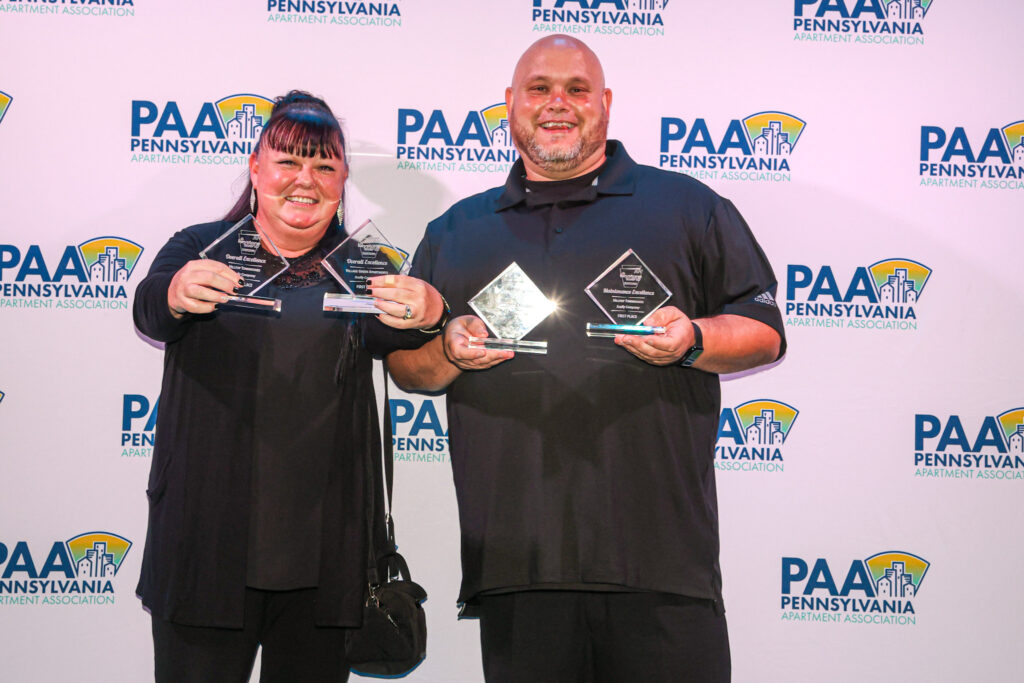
column 558, row 109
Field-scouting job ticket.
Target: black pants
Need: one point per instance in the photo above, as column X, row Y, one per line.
column 294, row 649
column 590, row 637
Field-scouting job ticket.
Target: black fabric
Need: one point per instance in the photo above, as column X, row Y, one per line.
column 585, row 637
column 284, row 391
column 543, row 192
column 588, row 465
column 294, row 650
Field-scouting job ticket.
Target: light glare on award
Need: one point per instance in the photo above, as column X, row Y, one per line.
column 240, row 249
column 627, row 292
column 511, row 305
column 364, row 254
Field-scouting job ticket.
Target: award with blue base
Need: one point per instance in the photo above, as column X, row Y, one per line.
column 511, row 305
column 364, row 254
column 255, row 258
column 627, row 292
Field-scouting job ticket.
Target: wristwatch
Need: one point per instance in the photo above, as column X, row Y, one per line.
column 694, row 352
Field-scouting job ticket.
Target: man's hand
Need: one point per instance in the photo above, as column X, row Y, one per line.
column 661, row 349
column 199, row 286
column 458, row 351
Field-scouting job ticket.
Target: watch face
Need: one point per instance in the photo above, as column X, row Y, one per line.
column 692, row 355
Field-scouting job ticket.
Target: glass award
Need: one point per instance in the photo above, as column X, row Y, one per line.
column 256, row 260
column 627, row 292
column 511, row 305
column 364, row 254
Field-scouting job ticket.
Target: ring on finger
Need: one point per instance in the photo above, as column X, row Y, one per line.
column 408, row 312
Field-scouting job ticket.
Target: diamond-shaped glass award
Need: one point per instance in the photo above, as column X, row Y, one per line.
column 255, row 258
column 627, row 292
column 364, row 254
column 511, row 305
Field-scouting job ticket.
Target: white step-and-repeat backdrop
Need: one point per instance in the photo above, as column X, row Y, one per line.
column 870, row 483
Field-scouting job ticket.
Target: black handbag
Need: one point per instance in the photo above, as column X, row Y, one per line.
column 393, row 638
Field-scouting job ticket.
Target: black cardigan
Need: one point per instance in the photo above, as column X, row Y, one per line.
column 194, row 562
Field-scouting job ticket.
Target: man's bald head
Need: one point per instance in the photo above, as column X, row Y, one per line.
column 558, row 108
column 548, row 44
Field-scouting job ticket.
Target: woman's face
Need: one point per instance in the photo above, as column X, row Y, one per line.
column 297, row 195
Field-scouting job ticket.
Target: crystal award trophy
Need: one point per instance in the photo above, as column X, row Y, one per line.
column 511, row 305
column 254, row 257
column 364, row 254
column 627, row 292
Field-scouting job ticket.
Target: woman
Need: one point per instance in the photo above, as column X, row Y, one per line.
column 257, row 532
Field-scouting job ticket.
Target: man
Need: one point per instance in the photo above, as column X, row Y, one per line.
column 585, row 477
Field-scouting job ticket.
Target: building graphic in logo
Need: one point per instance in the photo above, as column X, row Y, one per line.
column 98, row 555
column 751, row 436
column 951, row 449
column 957, row 159
column 882, row 296
column 757, row 148
column 879, row 590
column 221, row 133
column 244, row 116
column 1012, row 422
column 481, row 141
column 374, row 14
column 79, row 571
column 896, row 575
column 882, row 22
column 643, row 18
column 5, row 103
column 496, row 119
column 110, row 259
column 899, row 281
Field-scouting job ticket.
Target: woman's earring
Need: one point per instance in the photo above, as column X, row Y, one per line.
column 341, row 212
column 252, row 201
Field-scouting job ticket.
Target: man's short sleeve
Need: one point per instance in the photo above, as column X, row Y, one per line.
column 423, row 259
column 736, row 276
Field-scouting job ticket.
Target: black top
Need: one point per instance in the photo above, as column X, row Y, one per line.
column 264, row 423
column 588, row 467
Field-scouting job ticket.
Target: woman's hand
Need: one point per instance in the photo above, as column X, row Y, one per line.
column 199, row 286
column 406, row 302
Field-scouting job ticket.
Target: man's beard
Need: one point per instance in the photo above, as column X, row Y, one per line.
column 560, row 160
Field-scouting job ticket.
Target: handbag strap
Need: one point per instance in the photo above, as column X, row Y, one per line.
column 372, row 567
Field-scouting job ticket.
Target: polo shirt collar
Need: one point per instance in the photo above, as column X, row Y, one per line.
column 617, row 177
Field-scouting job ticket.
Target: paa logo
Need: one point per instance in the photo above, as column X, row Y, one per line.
column 609, row 17
column 381, row 14
column 951, row 160
column 221, row 132
column 78, row 571
column 878, row 590
column 138, row 425
column 887, row 22
column 751, row 436
column 946, row 449
column 417, row 434
column 882, row 296
column 756, row 148
column 91, row 275
column 5, row 103
column 482, row 143
column 92, row 8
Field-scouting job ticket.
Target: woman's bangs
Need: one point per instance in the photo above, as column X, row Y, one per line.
column 304, row 133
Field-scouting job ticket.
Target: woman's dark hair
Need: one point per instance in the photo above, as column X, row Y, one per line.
column 299, row 124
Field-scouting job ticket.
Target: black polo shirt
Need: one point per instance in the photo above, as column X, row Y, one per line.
column 587, row 467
